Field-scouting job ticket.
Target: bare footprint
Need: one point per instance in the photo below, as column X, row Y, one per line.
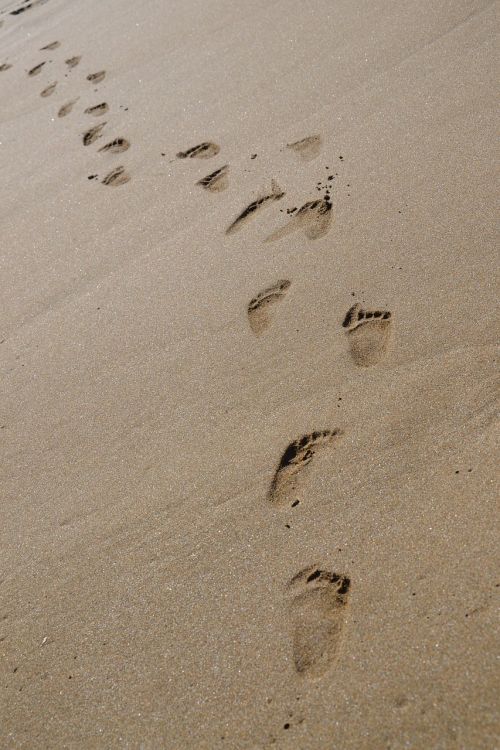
column 117, row 177
column 318, row 614
column 5, row 66
column 36, row 70
column 217, row 181
column 92, row 134
column 307, row 148
column 369, row 334
column 275, row 195
column 96, row 77
column 203, row 151
column 287, row 478
column 26, row 6
column 314, row 218
column 66, row 108
column 259, row 308
column 52, row 45
column 116, row 146
column 72, row 62
column 97, row 110
column 49, row 90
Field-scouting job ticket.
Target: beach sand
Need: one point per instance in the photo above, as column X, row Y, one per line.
column 249, row 392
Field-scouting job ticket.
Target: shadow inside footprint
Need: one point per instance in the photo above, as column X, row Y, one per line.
column 307, row 148
column 5, row 66
column 275, row 195
column 217, row 181
column 36, row 70
column 299, row 454
column 49, row 90
column 52, row 45
column 314, row 218
column 72, row 62
column 92, row 134
column 96, row 77
column 318, row 614
column 260, row 307
column 26, row 6
column 97, row 109
column 66, row 108
column 116, row 146
column 203, row 150
column 117, row 177
column 369, row 334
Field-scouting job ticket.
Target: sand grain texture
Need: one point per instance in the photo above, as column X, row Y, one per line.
column 178, row 569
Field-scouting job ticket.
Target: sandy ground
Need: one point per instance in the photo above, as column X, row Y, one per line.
column 227, row 519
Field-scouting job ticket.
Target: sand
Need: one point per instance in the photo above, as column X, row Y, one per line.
column 247, row 465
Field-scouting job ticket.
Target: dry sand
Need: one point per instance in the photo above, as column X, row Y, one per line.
column 171, row 389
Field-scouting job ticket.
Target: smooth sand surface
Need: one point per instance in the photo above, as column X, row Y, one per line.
column 171, row 389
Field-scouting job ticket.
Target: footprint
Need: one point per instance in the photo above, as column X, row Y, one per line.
column 49, row 90
column 259, row 312
column 72, row 62
column 96, row 77
column 27, row 6
column 275, row 195
column 318, row 614
column 298, row 455
column 117, row 177
column 66, row 108
column 5, row 66
column 22, row 9
column 36, row 70
column 203, row 151
column 52, row 45
column 217, row 181
column 307, row 148
column 314, row 218
column 116, row 146
column 369, row 334
column 93, row 134
column 97, row 109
